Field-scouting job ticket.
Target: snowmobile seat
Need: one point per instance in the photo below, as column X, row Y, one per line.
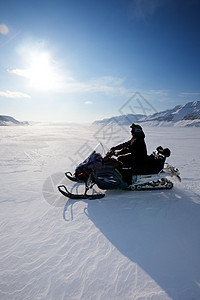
column 155, row 162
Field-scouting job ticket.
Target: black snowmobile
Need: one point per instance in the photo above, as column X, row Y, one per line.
column 108, row 174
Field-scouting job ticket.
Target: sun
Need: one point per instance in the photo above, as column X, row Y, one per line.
column 42, row 74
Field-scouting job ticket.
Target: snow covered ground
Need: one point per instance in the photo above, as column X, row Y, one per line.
column 128, row 245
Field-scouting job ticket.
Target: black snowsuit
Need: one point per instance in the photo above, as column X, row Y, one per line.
column 133, row 153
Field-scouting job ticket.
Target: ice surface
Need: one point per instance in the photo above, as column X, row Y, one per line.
column 128, row 245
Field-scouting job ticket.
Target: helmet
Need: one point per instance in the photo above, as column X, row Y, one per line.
column 136, row 130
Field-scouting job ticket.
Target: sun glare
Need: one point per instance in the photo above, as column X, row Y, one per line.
column 41, row 72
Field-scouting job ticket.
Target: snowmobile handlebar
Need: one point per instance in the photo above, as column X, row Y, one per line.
column 110, row 153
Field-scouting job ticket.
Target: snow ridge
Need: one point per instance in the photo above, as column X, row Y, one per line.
column 181, row 115
column 185, row 115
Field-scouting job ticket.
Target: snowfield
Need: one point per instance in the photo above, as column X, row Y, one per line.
column 128, row 245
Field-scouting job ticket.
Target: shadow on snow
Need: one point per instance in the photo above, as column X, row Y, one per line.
column 159, row 231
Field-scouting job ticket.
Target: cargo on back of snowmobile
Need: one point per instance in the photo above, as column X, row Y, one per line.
column 108, row 174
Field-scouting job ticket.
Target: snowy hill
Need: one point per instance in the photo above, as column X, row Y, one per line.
column 10, row 121
column 120, row 120
column 181, row 115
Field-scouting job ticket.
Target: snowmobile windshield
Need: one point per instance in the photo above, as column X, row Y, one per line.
column 99, row 148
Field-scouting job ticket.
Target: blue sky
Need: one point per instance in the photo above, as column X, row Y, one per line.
column 78, row 61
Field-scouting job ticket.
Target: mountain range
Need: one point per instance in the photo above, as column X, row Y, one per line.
column 120, row 120
column 186, row 115
column 181, row 115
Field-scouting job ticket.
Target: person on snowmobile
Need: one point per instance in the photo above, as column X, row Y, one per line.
column 132, row 153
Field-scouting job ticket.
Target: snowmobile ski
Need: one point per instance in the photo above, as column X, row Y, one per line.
column 64, row 191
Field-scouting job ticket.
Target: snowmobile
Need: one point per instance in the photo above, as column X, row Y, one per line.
column 108, row 174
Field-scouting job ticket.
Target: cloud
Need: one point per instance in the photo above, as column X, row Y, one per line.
column 9, row 94
column 44, row 72
column 4, row 29
column 68, row 84
column 88, row 102
column 107, row 84
column 160, row 93
column 41, row 71
column 183, row 94
column 19, row 72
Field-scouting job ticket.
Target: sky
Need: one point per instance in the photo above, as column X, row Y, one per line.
column 80, row 61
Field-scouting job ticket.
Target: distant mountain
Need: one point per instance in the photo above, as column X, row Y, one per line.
column 120, row 120
column 181, row 115
column 10, row 121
